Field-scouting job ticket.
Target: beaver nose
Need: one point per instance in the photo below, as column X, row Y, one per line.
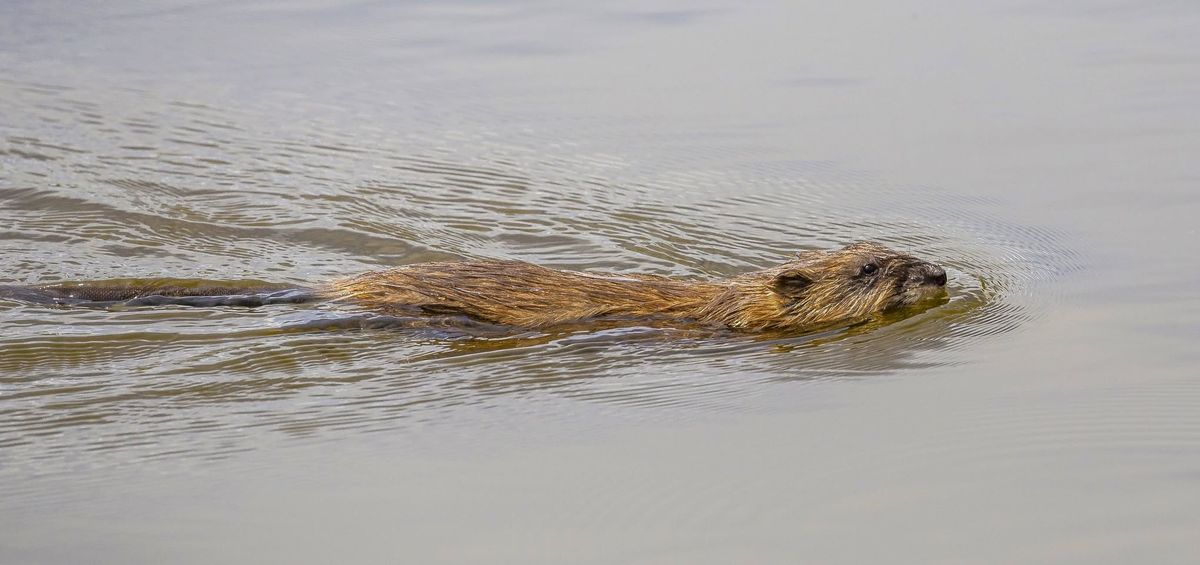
column 935, row 275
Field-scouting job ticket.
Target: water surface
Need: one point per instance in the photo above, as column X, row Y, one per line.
column 1046, row 413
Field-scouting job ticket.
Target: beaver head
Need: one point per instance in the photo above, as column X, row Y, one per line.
column 822, row 287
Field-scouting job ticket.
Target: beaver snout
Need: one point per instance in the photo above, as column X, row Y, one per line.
column 927, row 273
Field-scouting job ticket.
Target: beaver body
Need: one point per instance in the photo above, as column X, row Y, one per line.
column 815, row 289
column 516, row 293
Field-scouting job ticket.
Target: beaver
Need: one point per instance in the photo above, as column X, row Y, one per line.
column 814, row 289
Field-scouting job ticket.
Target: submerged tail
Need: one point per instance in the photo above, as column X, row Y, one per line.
column 159, row 292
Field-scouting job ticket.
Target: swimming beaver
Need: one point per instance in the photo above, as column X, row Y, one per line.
column 816, row 288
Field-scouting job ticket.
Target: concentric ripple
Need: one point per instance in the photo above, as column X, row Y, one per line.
column 130, row 185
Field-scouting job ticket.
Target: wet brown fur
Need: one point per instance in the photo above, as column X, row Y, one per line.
column 816, row 288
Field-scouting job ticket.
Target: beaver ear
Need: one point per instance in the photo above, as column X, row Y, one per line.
column 791, row 282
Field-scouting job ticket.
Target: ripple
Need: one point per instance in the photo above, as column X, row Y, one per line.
column 160, row 187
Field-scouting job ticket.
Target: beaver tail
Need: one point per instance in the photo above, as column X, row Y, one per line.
column 161, row 292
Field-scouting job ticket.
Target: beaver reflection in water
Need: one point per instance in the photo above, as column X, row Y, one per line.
column 816, row 289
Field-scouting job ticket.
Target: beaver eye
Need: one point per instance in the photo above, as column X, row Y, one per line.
column 869, row 269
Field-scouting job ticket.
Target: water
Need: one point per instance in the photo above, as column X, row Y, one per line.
column 1046, row 156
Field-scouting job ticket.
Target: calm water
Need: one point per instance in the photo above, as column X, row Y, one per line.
column 1048, row 413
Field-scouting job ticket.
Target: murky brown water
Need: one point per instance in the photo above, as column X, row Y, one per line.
column 1049, row 412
